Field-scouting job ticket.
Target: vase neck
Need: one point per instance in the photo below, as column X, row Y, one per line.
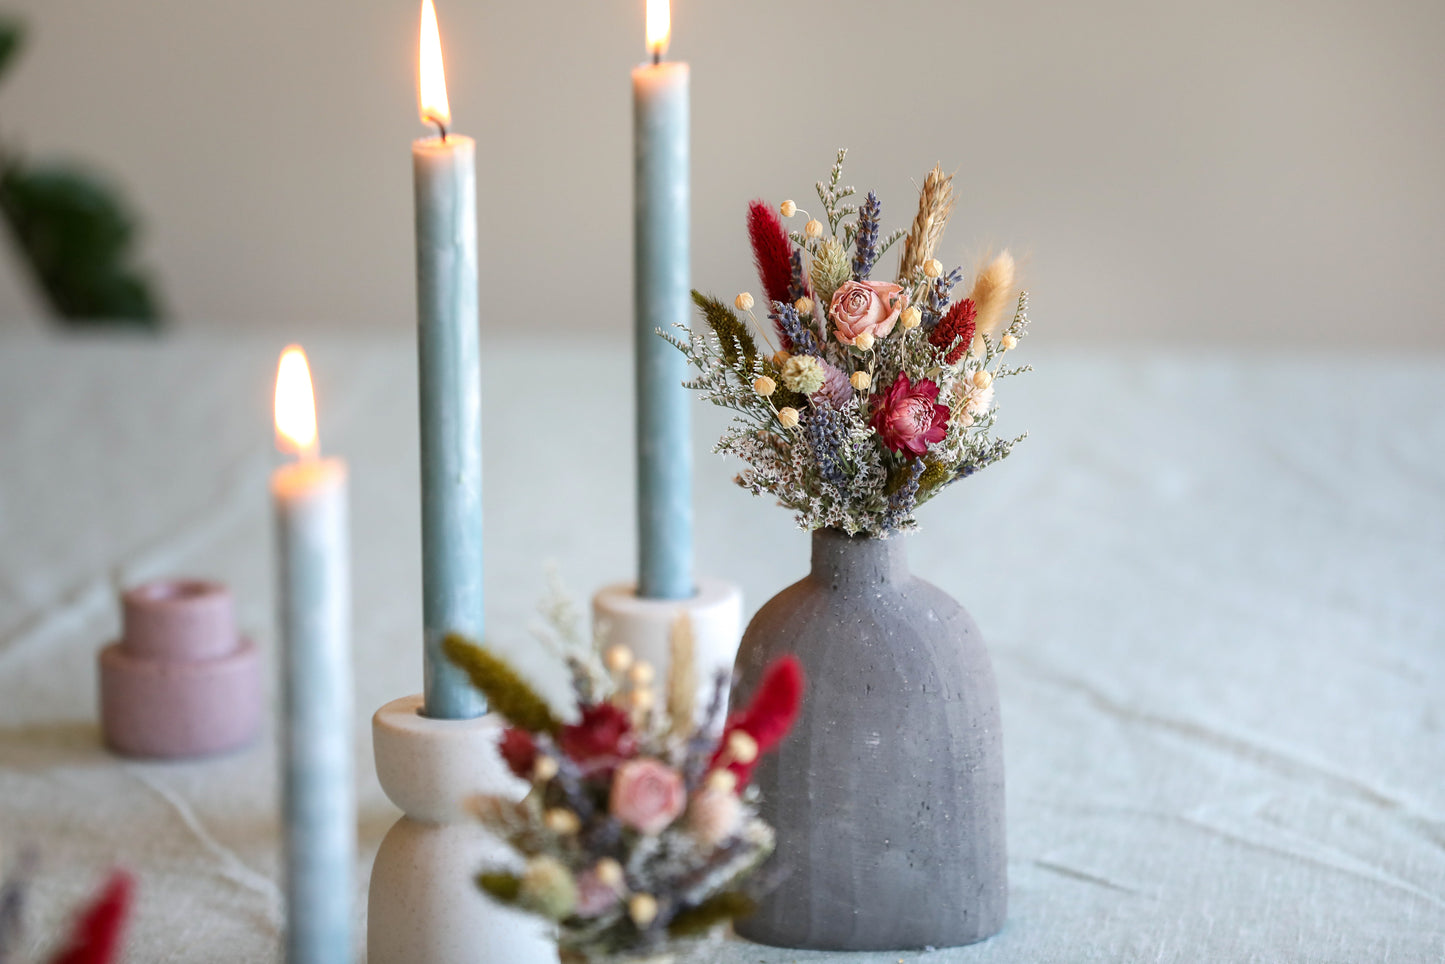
column 843, row 559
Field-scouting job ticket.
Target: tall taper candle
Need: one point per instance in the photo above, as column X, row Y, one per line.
column 319, row 800
column 444, row 172
column 661, row 290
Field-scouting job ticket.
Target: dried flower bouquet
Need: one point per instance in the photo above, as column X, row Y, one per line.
column 876, row 395
column 640, row 831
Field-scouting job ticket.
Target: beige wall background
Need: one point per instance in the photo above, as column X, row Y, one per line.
column 1231, row 173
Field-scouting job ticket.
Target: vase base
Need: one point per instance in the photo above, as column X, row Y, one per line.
column 794, row 941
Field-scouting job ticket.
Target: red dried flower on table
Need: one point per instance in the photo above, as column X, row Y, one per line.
column 955, row 329
column 767, row 719
column 96, row 937
column 519, row 749
column 772, row 251
column 908, row 417
column 601, row 738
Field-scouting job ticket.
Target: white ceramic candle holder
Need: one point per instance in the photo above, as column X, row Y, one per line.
column 425, row 907
column 645, row 626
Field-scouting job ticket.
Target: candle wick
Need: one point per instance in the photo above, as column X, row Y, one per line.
column 443, row 128
column 656, row 56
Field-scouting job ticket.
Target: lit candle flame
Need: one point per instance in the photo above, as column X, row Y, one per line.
column 295, row 404
column 659, row 27
column 433, row 86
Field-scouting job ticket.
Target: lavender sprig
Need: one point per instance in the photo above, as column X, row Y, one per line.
column 827, row 435
column 13, row 887
column 865, row 237
column 701, row 746
column 799, row 286
column 802, row 337
column 905, row 499
column 940, row 290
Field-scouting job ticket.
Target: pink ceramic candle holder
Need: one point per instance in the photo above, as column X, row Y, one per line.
column 180, row 682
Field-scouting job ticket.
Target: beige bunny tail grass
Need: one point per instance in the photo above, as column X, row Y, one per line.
column 993, row 291
column 682, row 677
column 935, row 204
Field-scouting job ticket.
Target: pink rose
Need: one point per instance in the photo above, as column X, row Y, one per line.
column 647, row 795
column 908, row 416
column 866, row 306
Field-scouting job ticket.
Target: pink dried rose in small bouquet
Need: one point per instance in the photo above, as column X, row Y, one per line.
column 640, row 831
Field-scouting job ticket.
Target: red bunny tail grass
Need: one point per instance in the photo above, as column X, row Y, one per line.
column 772, row 251
column 96, row 937
column 768, row 718
column 776, row 703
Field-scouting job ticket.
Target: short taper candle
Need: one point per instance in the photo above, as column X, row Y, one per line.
column 309, row 497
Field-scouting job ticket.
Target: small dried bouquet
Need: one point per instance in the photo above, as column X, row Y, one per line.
column 640, row 830
column 871, row 396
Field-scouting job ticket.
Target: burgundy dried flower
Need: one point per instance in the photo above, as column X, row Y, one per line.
column 768, row 718
column 772, row 251
column 603, row 735
column 908, row 417
column 97, row 935
column 955, row 330
column 519, row 750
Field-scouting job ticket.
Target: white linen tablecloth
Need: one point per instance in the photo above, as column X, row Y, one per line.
column 1214, row 590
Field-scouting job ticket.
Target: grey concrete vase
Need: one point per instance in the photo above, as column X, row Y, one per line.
column 888, row 796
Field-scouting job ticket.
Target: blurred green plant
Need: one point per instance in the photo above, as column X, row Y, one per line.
column 74, row 231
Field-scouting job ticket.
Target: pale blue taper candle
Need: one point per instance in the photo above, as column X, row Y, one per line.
column 451, row 415
column 662, row 294
column 318, row 792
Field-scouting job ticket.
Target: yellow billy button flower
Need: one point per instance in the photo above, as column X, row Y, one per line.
column 764, row 385
column 744, row 302
column 780, row 358
column 609, row 872
column 742, row 747
column 788, row 416
column 561, row 820
column 814, row 228
column 641, row 699
column 723, row 781
column 787, row 209
column 1009, row 343
column 864, row 341
column 804, row 306
column 861, row 381
column 618, row 658
column 642, row 908
column 932, row 268
column 911, row 318
column 982, row 379
column 642, row 673
column 544, row 769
